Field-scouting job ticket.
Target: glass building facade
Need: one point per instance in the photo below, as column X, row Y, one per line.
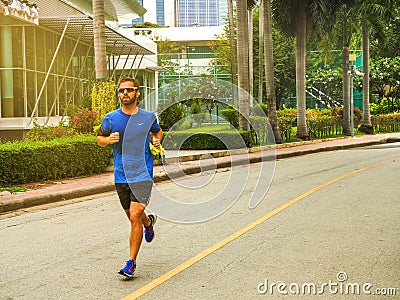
column 26, row 76
column 202, row 12
column 160, row 12
column 140, row 19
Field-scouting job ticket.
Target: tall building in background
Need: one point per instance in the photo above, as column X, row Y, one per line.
column 140, row 19
column 160, row 12
column 184, row 13
column 223, row 11
column 156, row 12
column 198, row 13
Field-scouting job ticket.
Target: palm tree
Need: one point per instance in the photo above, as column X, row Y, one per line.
column 251, row 56
column 243, row 63
column 99, row 30
column 233, row 51
column 301, row 45
column 269, row 67
column 291, row 18
column 366, row 125
column 368, row 14
column 345, row 15
column 260, row 51
column 372, row 13
column 297, row 18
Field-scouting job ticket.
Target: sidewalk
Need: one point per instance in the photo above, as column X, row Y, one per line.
column 181, row 163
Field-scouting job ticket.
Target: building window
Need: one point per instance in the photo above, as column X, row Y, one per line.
column 160, row 12
column 20, row 87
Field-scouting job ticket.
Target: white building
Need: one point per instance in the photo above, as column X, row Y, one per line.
column 47, row 58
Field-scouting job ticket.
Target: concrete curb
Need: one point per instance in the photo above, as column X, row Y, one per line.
column 32, row 201
column 251, row 156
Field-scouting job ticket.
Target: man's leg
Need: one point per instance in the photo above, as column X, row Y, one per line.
column 134, row 210
column 145, row 219
column 136, row 216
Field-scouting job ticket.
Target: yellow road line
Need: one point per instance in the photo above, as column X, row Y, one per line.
column 158, row 281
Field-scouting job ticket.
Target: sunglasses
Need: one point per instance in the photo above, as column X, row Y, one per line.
column 128, row 89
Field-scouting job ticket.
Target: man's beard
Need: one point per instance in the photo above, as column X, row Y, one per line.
column 128, row 100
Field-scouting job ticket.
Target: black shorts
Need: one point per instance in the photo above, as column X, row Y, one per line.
column 134, row 192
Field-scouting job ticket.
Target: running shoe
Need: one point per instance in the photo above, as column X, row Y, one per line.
column 149, row 231
column 129, row 269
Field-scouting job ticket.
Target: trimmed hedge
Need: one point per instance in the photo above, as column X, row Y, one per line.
column 202, row 141
column 386, row 123
column 323, row 126
column 24, row 162
column 320, row 123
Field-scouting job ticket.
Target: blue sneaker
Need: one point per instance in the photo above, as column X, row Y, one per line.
column 149, row 231
column 129, row 269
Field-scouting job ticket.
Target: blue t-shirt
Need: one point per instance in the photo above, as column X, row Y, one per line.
column 133, row 160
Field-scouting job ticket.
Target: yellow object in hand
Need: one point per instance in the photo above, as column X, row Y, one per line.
column 157, row 151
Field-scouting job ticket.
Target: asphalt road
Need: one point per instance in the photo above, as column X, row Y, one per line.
column 328, row 224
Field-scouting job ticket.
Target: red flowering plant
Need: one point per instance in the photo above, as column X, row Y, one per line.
column 47, row 133
column 81, row 120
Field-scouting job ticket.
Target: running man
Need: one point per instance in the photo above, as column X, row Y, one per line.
column 129, row 130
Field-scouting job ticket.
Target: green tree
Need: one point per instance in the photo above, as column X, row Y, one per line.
column 167, row 52
column 205, row 91
column 233, row 50
column 372, row 13
column 171, row 111
column 356, row 20
column 269, row 68
column 327, row 81
column 243, row 64
column 391, row 30
column 297, row 19
column 99, row 30
column 385, row 82
column 283, row 58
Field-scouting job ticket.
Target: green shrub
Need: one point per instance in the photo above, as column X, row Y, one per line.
column 47, row 133
column 357, row 115
column 170, row 115
column 175, row 140
column 197, row 114
column 260, row 126
column 385, row 105
column 185, row 124
column 287, row 121
column 386, row 123
column 24, row 161
column 81, row 120
column 231, row 115
column 259, row 110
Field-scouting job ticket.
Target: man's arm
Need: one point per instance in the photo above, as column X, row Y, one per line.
column 156, row 138
column 103, row 141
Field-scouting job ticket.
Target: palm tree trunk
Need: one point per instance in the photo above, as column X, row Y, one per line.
column 243, row 64
column 269, row 70
column 99, row 29
column 233, row 52
column 250, row 39
column 260, row 51
column 346, row 91
column 301, row 43
column 366, row 125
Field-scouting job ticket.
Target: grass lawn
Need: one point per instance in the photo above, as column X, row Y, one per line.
column 208, row 128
